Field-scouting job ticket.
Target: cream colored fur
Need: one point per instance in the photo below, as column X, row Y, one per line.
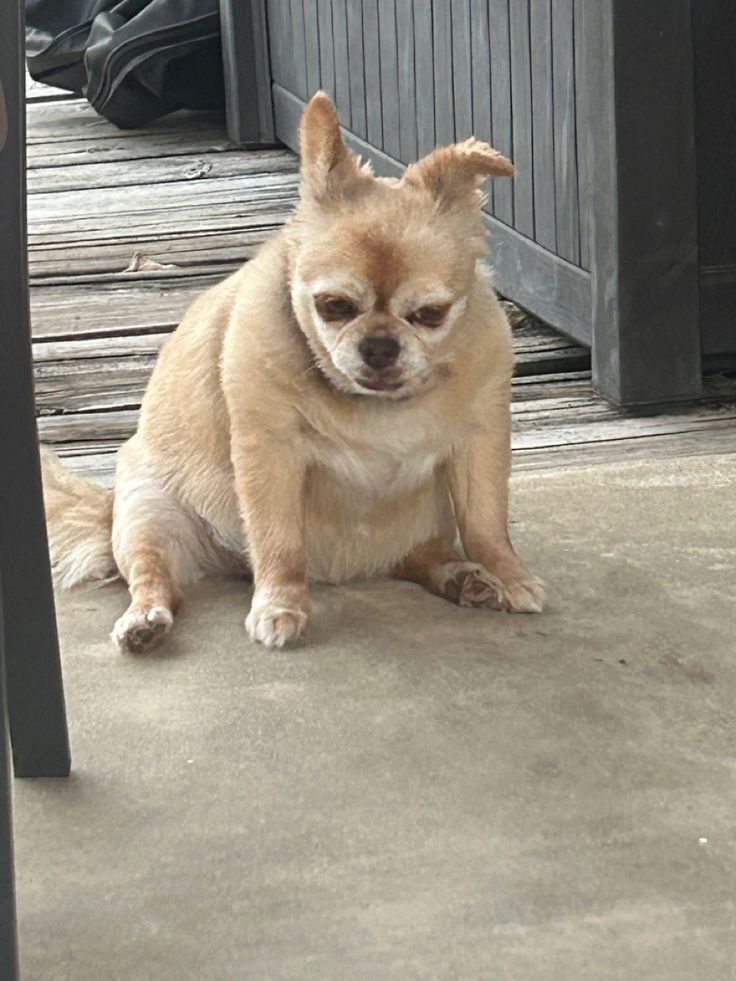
column 259, row 445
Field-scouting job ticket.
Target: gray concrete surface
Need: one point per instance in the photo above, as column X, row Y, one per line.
column 419, row 792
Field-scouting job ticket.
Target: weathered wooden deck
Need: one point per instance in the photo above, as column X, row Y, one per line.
column 126, row 228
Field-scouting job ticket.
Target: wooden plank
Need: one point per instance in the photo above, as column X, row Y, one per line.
column 326, row 47
column 311, row 44
column 444, row 110
column 279, row 44
column 102, row 427
column 129, row 200
column 407, row 81
column 582, row 126
column 389, row 78
column 142, row 307
column 264, row 214
column 77, row 120
column 462, row 79
column 543, row 124
column 185, row 170
column 565, row 147
column 299, row 50
column 342, row 64
column 481, row 78
column 502, row 120
column 356, row 67
column 75, row 151
column 424, row 70
column 521, row 110
column 191, row 252
column 372, row 56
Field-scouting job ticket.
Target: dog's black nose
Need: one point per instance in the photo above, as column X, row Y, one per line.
column 379, row 352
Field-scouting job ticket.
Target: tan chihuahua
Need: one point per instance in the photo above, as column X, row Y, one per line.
column 338, row 408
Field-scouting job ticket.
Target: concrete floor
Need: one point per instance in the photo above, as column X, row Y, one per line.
column 419, row 792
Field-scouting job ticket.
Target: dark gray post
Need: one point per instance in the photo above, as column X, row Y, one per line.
column 33, row 671
column 247, row 71
column 8, row 928
column 641, row 160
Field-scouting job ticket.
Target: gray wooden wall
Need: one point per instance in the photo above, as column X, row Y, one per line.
column 407, row 75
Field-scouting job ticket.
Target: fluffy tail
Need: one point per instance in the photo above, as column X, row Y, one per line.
column 79, row 519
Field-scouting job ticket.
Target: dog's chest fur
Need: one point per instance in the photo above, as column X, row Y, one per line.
column 377, row 471
column 386, row 458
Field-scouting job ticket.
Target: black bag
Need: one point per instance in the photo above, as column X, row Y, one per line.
column 135, row 59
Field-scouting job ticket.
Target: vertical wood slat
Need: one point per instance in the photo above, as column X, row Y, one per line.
column 342, row 67
column 277, row 41
column 407, row 80
column 372, row 55
column 480, row 59
column 498, row 18
column 389, row 77
column 356, row 67
column 299, row 51
column 543, row 124
column 582, row 124
column 311, row 44
column 326, row 47
column 424, row 69
column 444, row 112
column 462, row 81
column 521, row 111
column 566, row 170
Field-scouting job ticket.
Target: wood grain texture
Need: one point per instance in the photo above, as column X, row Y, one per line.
column 565, row 124
column 389, row 57
column 372, row 63
column 356, row 67
column 502, row 122
column 444, row 108
column 408, row 142
column 521, row 113
column 424, row 72
column 543, row 127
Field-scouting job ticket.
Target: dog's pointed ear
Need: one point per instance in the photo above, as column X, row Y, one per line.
column 453, row 174
column 328, row 168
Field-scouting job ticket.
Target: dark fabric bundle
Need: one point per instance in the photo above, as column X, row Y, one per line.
column 135, row 60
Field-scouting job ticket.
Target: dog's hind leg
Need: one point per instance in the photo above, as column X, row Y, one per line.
column 159, row 547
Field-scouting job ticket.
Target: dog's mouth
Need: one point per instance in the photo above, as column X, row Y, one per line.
column 380, row 384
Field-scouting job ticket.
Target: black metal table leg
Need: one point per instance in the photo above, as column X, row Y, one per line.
column 35, row 695
column 8, row 929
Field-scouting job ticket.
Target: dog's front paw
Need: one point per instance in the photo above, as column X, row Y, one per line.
column 139, row 630
column 523, row 595
column 278, row 618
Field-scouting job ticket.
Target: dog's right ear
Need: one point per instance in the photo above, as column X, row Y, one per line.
column 329, row 169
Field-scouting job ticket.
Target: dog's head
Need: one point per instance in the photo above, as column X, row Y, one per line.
column 382, row 269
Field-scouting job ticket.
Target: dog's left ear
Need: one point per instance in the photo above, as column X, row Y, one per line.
column 453, row 174
column 328, row 168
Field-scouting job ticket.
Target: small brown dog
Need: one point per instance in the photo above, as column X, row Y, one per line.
column 337, row 408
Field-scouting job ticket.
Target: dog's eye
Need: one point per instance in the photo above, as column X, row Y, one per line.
column 335, row 308
column 431, row 316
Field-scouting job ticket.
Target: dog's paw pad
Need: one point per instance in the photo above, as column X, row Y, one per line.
column 139, row 630
column 274, row 626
